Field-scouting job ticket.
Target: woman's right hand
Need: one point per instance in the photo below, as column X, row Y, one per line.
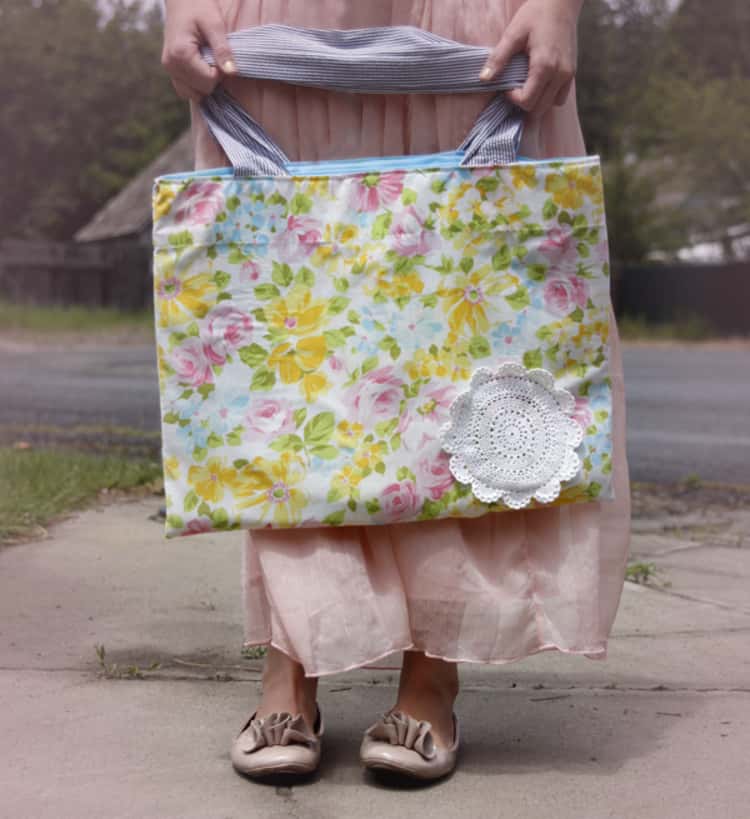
column 189, row 25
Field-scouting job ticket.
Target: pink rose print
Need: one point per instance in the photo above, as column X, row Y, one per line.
column 268, row 419
column 422, row 423
column 191, row 363
column 298, row 240
column 582, row 413
column 409, row 235
column 250, row 271
column 434, row 476
column 198, row 526
column 399, row 500
column 200, row 204
column 370, row 192
column 563, row 295
column 227, row 328
column 560, row 246
column 376, row 396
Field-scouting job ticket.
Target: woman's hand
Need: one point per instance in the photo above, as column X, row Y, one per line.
column 546, row 31
column 189, row 25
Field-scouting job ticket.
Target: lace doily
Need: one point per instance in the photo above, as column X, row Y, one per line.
column 511, row 436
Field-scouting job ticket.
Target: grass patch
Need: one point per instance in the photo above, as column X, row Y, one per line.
column 37, row 486
column 73, row 319
column 690, row 328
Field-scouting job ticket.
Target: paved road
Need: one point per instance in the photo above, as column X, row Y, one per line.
column 688, row 408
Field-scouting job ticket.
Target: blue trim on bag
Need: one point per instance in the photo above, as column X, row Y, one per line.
column 372, row 164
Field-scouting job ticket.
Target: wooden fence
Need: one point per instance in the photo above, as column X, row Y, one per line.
column 116, row 273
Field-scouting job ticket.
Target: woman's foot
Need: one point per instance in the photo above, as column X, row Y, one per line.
column 427, row 690
column 282, row 736
column 286, row 688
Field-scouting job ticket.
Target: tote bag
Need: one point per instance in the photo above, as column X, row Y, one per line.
column 379, row 340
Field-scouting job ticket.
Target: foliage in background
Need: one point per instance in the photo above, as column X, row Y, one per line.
column 84, row 105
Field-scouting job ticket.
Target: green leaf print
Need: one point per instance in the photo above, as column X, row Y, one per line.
column 594, row 489
column 601, row 415
column 240, row 463
column 300, row 204
column 337, row 305
column 438, row 185
column 215, row 440
column 175, row 522
column 267, row 291
column 191, row 501
column 236, row 256
column 408, row 196
column 222, row 279
column 253, row 355
column 171, row 417
column 342, row 285
column 487, row 184
column 233, row 202
column 299, row 416
column 466, row 264
column 234, row 438
column 369, row 364
column 334, row 495
column 325, row 451
column 549, row 211
column 287, row 443
column 381, row 224
column 319, row 428
column 352, row 504
column 219, row 518
column 205, row 390
column 532, row 358
column 372, row 506
column 431, row 509
column 335, row 518
column 576, row 315
column 353, row 317
column 282, row 274
column 537, row 272
column 305, row 276
column 199, row 453
column 502, row 258
column 519, row 299
column 430, row 300
column 182, row 238
column 262, row 380
column 479, row 347
column 564, row 218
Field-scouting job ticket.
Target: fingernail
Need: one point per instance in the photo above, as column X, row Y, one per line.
column 229, row 67
column 485, row 73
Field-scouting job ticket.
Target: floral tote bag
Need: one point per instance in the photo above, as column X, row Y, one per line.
column 378, row 340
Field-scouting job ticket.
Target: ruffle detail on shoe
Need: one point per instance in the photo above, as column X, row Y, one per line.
column 278, row 728
column 399, row 728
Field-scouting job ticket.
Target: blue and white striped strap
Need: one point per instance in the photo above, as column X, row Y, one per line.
column 392, row 60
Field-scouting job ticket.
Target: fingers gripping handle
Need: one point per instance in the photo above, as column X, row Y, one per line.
column 394, row 60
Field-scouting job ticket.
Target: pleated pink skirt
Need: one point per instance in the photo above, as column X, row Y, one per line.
column 491, row 589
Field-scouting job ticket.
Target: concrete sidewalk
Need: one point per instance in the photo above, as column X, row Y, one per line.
column 658, row 730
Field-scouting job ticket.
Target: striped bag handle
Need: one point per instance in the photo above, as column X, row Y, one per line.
column 389, row 60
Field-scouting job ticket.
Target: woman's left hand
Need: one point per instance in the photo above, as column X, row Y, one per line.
column 546, row 31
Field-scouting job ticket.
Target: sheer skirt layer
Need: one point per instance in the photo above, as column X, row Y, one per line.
column 491, row 589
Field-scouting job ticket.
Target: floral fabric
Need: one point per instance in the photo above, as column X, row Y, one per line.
column 314, row 331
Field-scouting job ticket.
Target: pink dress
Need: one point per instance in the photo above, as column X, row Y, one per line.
column 491, row 589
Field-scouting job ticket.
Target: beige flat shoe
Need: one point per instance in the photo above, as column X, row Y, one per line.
column 398, row 742
column 277, row 744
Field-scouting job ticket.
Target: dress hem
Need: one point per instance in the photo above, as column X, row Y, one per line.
column 598, row 653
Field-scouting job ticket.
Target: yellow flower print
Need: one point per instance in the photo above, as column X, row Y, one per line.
column 346, row 481
column 180, row 297
column 465, row 303
column 293, row 361
column 523, row 175
column 398, row 286
column 297, row 314
column 569, row 188
column 313, row 384
column 272, row 486
column 163, row 199
column 370, row 454
column 172, row 468
column 348, row 434
column 211, row 479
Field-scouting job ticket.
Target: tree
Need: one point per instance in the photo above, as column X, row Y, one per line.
column 85, row 105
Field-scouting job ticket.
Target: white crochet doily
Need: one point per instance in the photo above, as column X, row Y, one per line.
column 511, row 436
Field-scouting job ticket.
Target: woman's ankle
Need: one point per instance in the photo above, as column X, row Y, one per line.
column 286, row 688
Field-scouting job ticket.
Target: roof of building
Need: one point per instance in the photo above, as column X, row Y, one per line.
column 129, row 211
